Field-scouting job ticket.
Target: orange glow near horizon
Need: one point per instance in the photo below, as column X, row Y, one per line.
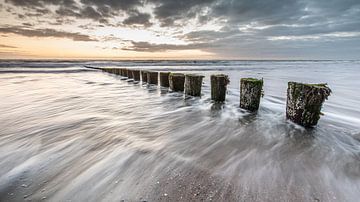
column 59, row 48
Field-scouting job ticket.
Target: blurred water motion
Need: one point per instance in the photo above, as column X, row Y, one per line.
column 70, row 133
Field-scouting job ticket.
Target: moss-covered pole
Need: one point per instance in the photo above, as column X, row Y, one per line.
column 144, row 76
column 193, row 84
column 304, row 102
column 136, row 75
column 129, row 74
column 219, row 84
column 152, row 77
column 176, row 82
column 164, row 79
column 250, row 93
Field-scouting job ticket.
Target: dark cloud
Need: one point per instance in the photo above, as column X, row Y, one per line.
column 6, row 46
column 100, row 11
column 137, row 18
column 27, row 24
column 150, row 47
column 167, row 12
column 113, row 4
column 24, row 31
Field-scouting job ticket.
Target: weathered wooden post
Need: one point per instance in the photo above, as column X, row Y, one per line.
column 219, row 84
column 129, row 74
column 193, row 84
column 304, row 102
column 250, row 93
column 121, row 72
column 136, row 75
column 176, row 82
column 117, row 71
column 164, row 79
column 144, row 76
column 125, row 72
column 152, row 77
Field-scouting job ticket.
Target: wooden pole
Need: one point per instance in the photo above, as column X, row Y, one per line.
column 136, row 75
column 250, row 93
column 193, row 84
column 125, row 72
column 304, row 102
column 164, row 79
column 144, row 76
column 176, row 82
column 152, row 77
column 129, row 74
column 219, row 84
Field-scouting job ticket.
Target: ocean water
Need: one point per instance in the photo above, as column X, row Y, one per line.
column 68, row 133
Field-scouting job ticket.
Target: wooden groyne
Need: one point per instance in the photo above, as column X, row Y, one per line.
column 136, row 75
column 176, row 82
column 250, row 93
column 164, row 79
column 193, row 83
column 144, row 76
column 152, row 77
column 303, row 104
column 130, row 74
column 219, row 84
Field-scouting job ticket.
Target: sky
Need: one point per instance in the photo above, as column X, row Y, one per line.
column 180, row 29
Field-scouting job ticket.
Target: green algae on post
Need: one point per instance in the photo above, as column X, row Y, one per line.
column 193, row 84
column 304, row 102
column 219, row 84
column 136, row 75
column 152, row 77
column 250, row 93
column 164, row 79
column 176, row 82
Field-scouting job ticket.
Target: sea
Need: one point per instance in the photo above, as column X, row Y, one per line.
column 71, row 133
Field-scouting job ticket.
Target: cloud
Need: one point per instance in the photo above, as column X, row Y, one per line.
column 224, row 27
column 100, row 11
column 137, row 18
column 6, row 46
column 150, row 47
column 24, row 31
column 168, row 11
